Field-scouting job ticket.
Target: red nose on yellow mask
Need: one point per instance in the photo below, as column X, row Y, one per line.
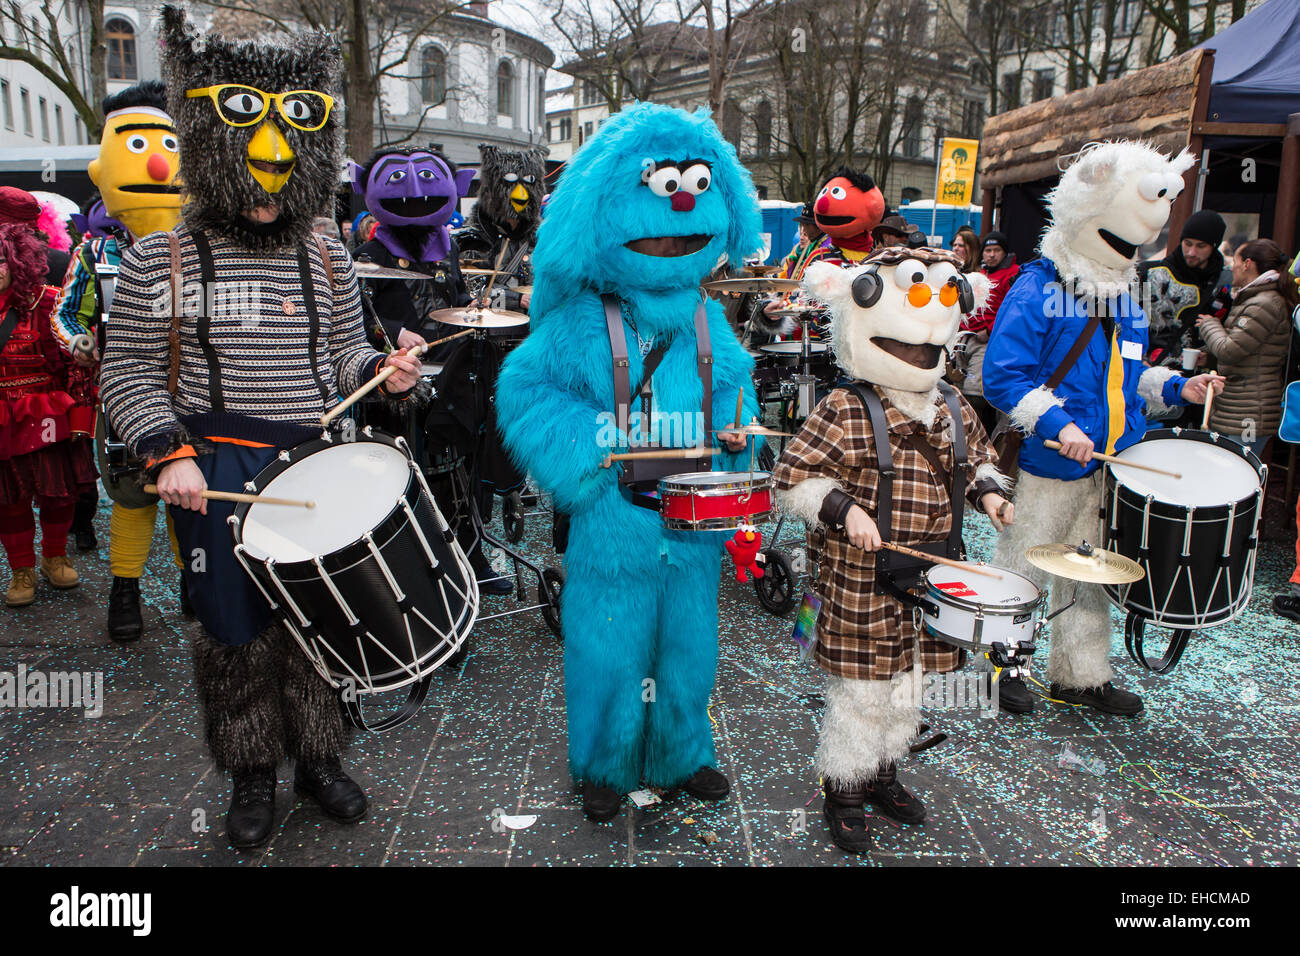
column 136, row 171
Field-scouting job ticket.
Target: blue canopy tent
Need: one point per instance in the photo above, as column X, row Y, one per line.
column 1257, row 66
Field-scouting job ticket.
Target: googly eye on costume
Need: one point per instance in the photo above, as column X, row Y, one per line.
column 908, row 273
column 696, row 178
column 666, row 181
column 137, row 144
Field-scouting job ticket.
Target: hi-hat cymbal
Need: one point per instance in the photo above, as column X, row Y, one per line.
column 1084, row 563
column 740, row 286
column 470, row 318
column 370, row 270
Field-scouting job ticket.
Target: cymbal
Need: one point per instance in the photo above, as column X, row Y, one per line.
column 797, row 311
column 471, row 318
column 369, row 270
column 754, row 428
column 740, row 286
column 1085, row 563
column 523, row 289
column 762, row 270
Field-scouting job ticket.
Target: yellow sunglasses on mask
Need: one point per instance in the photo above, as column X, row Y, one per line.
column 240, row 105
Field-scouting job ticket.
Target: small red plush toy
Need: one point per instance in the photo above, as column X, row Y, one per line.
column 744, row 548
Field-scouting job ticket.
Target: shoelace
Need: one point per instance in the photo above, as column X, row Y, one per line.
column 257, row 789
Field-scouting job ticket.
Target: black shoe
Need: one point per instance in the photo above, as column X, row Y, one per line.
column 337, row 793
column 893, row 799
column 707, row 784
column 600, row 803
column 186, row 607
column 124, row 621
column 1288, row 605
column 846, row 817
column 1107, row 698
column 85, row 540
column 1014, row 696
column 492, row 583
column 252, row 808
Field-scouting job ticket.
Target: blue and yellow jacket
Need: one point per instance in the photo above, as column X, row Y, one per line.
column 1105, row 394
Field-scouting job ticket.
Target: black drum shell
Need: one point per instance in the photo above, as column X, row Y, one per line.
column 359, row 579
column 1170, row 595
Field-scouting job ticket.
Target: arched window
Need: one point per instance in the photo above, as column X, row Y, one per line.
column 731, row 116
column 120, row 35
column 433, row 74
column 505, row 89
column 763, row 126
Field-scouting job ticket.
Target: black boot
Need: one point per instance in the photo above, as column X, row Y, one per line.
column 83, row 528
column 124, row 621
column 707, row 784
column 186, row 607
column 600, row 803
column 252, row 808
column 338, row 794
column 892, row 798
column 1287, row 605
column 1107, row 698
column 1014, row 696
column 846, row 817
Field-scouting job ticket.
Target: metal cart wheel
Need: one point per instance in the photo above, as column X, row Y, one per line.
column 776, row 588
column 548, row 593
column 512, row 517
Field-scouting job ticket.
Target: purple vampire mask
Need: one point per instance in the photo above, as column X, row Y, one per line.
column 413, row 193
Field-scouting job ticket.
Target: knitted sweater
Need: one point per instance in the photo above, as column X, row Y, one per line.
column 266, row 345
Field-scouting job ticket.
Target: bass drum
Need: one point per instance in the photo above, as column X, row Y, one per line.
column 1195, row 536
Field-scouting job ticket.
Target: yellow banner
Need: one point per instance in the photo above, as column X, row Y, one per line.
column 957, row 171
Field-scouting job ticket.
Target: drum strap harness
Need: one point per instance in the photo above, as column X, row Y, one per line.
column 639, row 479
column 896, row 572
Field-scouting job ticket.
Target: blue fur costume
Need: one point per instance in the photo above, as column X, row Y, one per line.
column 639, row 602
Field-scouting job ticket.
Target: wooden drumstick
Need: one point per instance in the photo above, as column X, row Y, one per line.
column 660, row 453
column 740, row 407
column 947, row 562
column 241, row 496
column 370, row 386
column 1209, row 402
column 1116, row 460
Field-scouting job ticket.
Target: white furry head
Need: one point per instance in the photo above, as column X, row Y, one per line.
column 893, row 316
column 1113, row 198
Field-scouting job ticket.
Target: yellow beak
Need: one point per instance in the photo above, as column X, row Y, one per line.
column 519, row 197
column 270, row 157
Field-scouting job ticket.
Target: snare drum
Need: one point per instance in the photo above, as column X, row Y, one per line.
column 791, row 353
column 714, row 500
column 975, row 612
column 1194, row 536
column 370, row 582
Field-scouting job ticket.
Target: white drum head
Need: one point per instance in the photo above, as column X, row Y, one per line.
column 354, row 484
column 1210, row 475
column 1011, row 589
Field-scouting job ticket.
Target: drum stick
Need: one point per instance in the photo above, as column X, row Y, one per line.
column 740, row 406
column 369, row 387
column 660, row 453
column 240, row 496
column 1209, row 402
column 947, row 562
column 1116, row 460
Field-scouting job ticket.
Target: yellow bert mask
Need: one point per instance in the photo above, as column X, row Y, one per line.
column 136, row 171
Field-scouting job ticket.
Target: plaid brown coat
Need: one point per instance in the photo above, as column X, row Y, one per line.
column 860, row 634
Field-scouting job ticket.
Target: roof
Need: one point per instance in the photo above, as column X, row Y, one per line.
column 1154, row 104
column 1256, row 69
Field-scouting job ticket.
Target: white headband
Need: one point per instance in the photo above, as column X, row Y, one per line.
column 148, row 110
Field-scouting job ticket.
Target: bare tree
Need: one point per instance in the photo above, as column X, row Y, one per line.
column 53, row 45
column 1174, row 19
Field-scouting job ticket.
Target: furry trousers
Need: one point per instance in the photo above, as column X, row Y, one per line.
column 640, row 655
column 263, row 701
column 867, row 725
column 1049, row 510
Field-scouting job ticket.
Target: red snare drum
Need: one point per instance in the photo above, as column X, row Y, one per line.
column 714, row 500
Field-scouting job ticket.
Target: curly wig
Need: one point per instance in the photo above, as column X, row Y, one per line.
column 25, row 256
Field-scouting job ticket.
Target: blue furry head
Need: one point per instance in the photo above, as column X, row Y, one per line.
column 652, row 173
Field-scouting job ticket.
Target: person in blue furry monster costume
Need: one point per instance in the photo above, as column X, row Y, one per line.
column 642, row 215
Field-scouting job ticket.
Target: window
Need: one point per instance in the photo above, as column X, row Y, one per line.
column 586, row 127
column 26, row 99
column 912, row 127
column 1010, row 91
column 590, row 94
column 972, row 119
column 58, row 123
column 549, row 138
column 76, row 123
column 1044, row 83
column 121, row 49
column 763, row 127
column 505, row 89
column 433, row 74
column 541, row 95
column 566, row 129
column 8, row 104
column 45, row 119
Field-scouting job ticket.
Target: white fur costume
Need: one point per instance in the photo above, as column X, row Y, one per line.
column 868, row 724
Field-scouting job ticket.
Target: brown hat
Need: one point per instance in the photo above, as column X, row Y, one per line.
column 18, row 205
column 895, row 224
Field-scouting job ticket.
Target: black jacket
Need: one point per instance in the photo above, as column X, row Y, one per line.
column 406, row 304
